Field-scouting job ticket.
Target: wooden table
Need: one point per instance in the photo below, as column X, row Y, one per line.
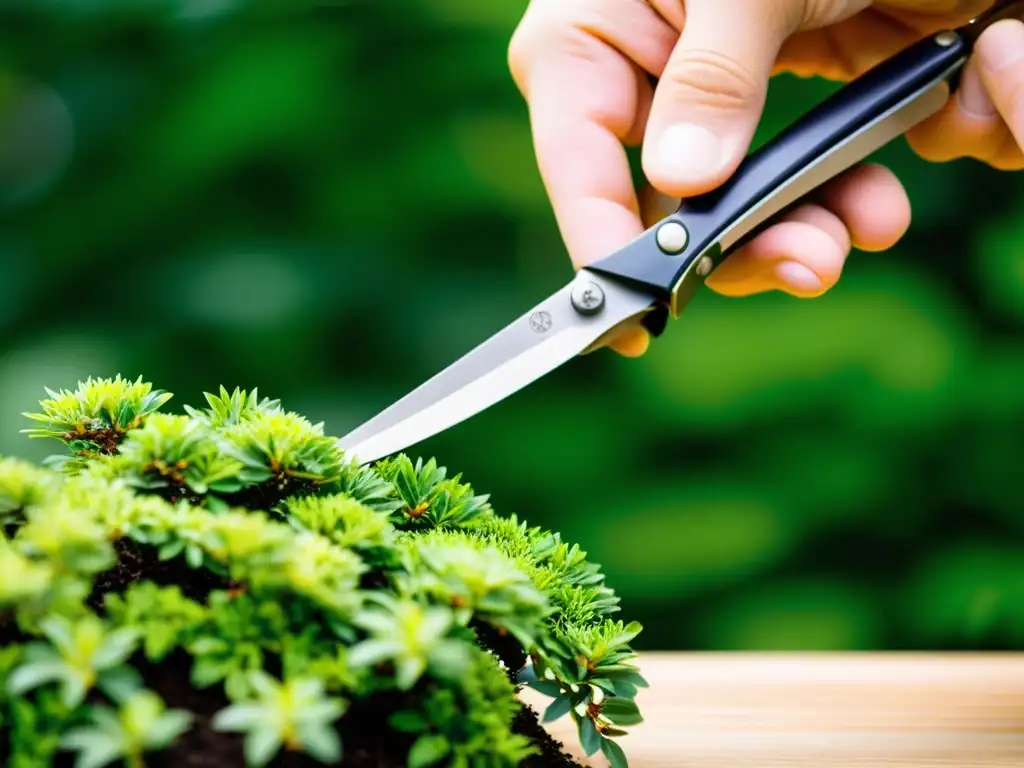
column 825, row 711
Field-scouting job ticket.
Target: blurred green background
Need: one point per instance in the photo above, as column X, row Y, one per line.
column 332, row 201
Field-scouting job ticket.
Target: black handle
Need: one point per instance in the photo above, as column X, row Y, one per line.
column 828, row 140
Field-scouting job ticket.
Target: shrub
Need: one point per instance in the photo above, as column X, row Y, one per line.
column 223, row 588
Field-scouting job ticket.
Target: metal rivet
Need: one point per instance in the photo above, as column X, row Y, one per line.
column 704, row 266
column 587, row 298
column 946, row 39
column 672, row 237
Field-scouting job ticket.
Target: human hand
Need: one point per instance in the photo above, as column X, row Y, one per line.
column 584, row 66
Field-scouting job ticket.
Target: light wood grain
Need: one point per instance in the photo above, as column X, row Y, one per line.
column 825, row 711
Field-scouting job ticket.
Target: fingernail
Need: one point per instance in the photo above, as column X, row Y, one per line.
column 690, row 153
column 798, row 276
column 1002, row 45
column 973, row 96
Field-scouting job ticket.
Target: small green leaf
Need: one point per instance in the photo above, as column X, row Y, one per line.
column 547, row 687
column 614, row 753
column 557, row 708
column 117, row 647
column 321, row 742
column 120, row 683
column 590, row 739
column 408, row 722
column 238, row 717
column 621, row 711
column 429, row 749
column 29, row 676
column 261, row 745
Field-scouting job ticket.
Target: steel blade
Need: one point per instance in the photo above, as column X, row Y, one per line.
column 547, row 336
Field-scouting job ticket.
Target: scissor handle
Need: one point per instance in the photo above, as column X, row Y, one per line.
column 672, row 258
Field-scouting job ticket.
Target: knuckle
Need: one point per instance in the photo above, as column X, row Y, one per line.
column 714, row 80
column 518, row 54
column 821, row 13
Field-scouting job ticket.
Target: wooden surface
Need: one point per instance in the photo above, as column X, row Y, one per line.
column 826, row 711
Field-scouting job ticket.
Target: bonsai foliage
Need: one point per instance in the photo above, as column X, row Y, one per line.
column 226, row 583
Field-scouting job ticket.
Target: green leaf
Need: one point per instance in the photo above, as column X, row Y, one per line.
column 633, row 677
column 261, row 745
column 98, row 754
column 120, row 683
column 616, row 757
column 557, row 708
column 428, row 750
column 74, row 692
column 321, row 742
column 590, row 739
column 29, row 676
column 238, row 717
column 621, row 711
column 408, row 721
column 169, row 727
column 547, row 687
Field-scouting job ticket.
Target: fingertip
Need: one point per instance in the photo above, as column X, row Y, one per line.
column 873, row 205
column 795, row 257
column 632, row 344
column 810, row 260
column 686, row 160
column 798, row 279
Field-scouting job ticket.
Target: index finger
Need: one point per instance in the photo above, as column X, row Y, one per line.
column 583, row 101
column 581, row 110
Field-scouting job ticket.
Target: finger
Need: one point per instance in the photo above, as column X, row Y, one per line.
column 630, row 341
column 866, row 207
column 803, row 256
column 581, row 109
column 711, row 95
column 575, row 65
column 1000, row 53
column 985, row 119
column 581, row 69
column 873, row 205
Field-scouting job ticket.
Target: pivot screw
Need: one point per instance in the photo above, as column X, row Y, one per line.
column 946, row 39
column 672, row 237
column 704, row 266
column 587, row 298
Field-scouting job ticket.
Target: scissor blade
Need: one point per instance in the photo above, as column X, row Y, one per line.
column 547, row 336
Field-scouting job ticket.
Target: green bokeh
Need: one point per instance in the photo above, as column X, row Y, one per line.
column 332, row 201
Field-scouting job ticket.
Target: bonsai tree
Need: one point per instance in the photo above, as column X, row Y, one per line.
column 224, row 588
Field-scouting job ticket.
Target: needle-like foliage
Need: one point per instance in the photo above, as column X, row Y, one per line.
column 228, row 580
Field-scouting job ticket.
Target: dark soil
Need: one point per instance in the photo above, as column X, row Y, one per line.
column 503, row 645
column 527, row 723
column 135, row 561
column 367, row 741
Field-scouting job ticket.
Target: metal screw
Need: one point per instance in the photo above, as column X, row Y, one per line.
column 672, row 237
column 541, row 321
column 587, row 298
column 946, row 39
column 704, row 266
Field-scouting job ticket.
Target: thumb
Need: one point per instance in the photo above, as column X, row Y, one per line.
column 711, row 95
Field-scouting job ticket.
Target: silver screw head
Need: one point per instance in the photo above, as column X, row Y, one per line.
column 704, row 266
column 672, row 237
column 946, row 39
column 587, row 298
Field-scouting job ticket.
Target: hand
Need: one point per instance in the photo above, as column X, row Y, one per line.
column 583, row 67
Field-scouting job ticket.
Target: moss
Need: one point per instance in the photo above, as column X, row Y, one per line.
column 225, row 588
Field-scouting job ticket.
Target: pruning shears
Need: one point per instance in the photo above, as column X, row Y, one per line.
column 654, row 277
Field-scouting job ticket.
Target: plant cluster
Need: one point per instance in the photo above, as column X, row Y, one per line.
column 225, row 585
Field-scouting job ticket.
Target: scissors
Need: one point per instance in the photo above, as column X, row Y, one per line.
column 654, row 277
